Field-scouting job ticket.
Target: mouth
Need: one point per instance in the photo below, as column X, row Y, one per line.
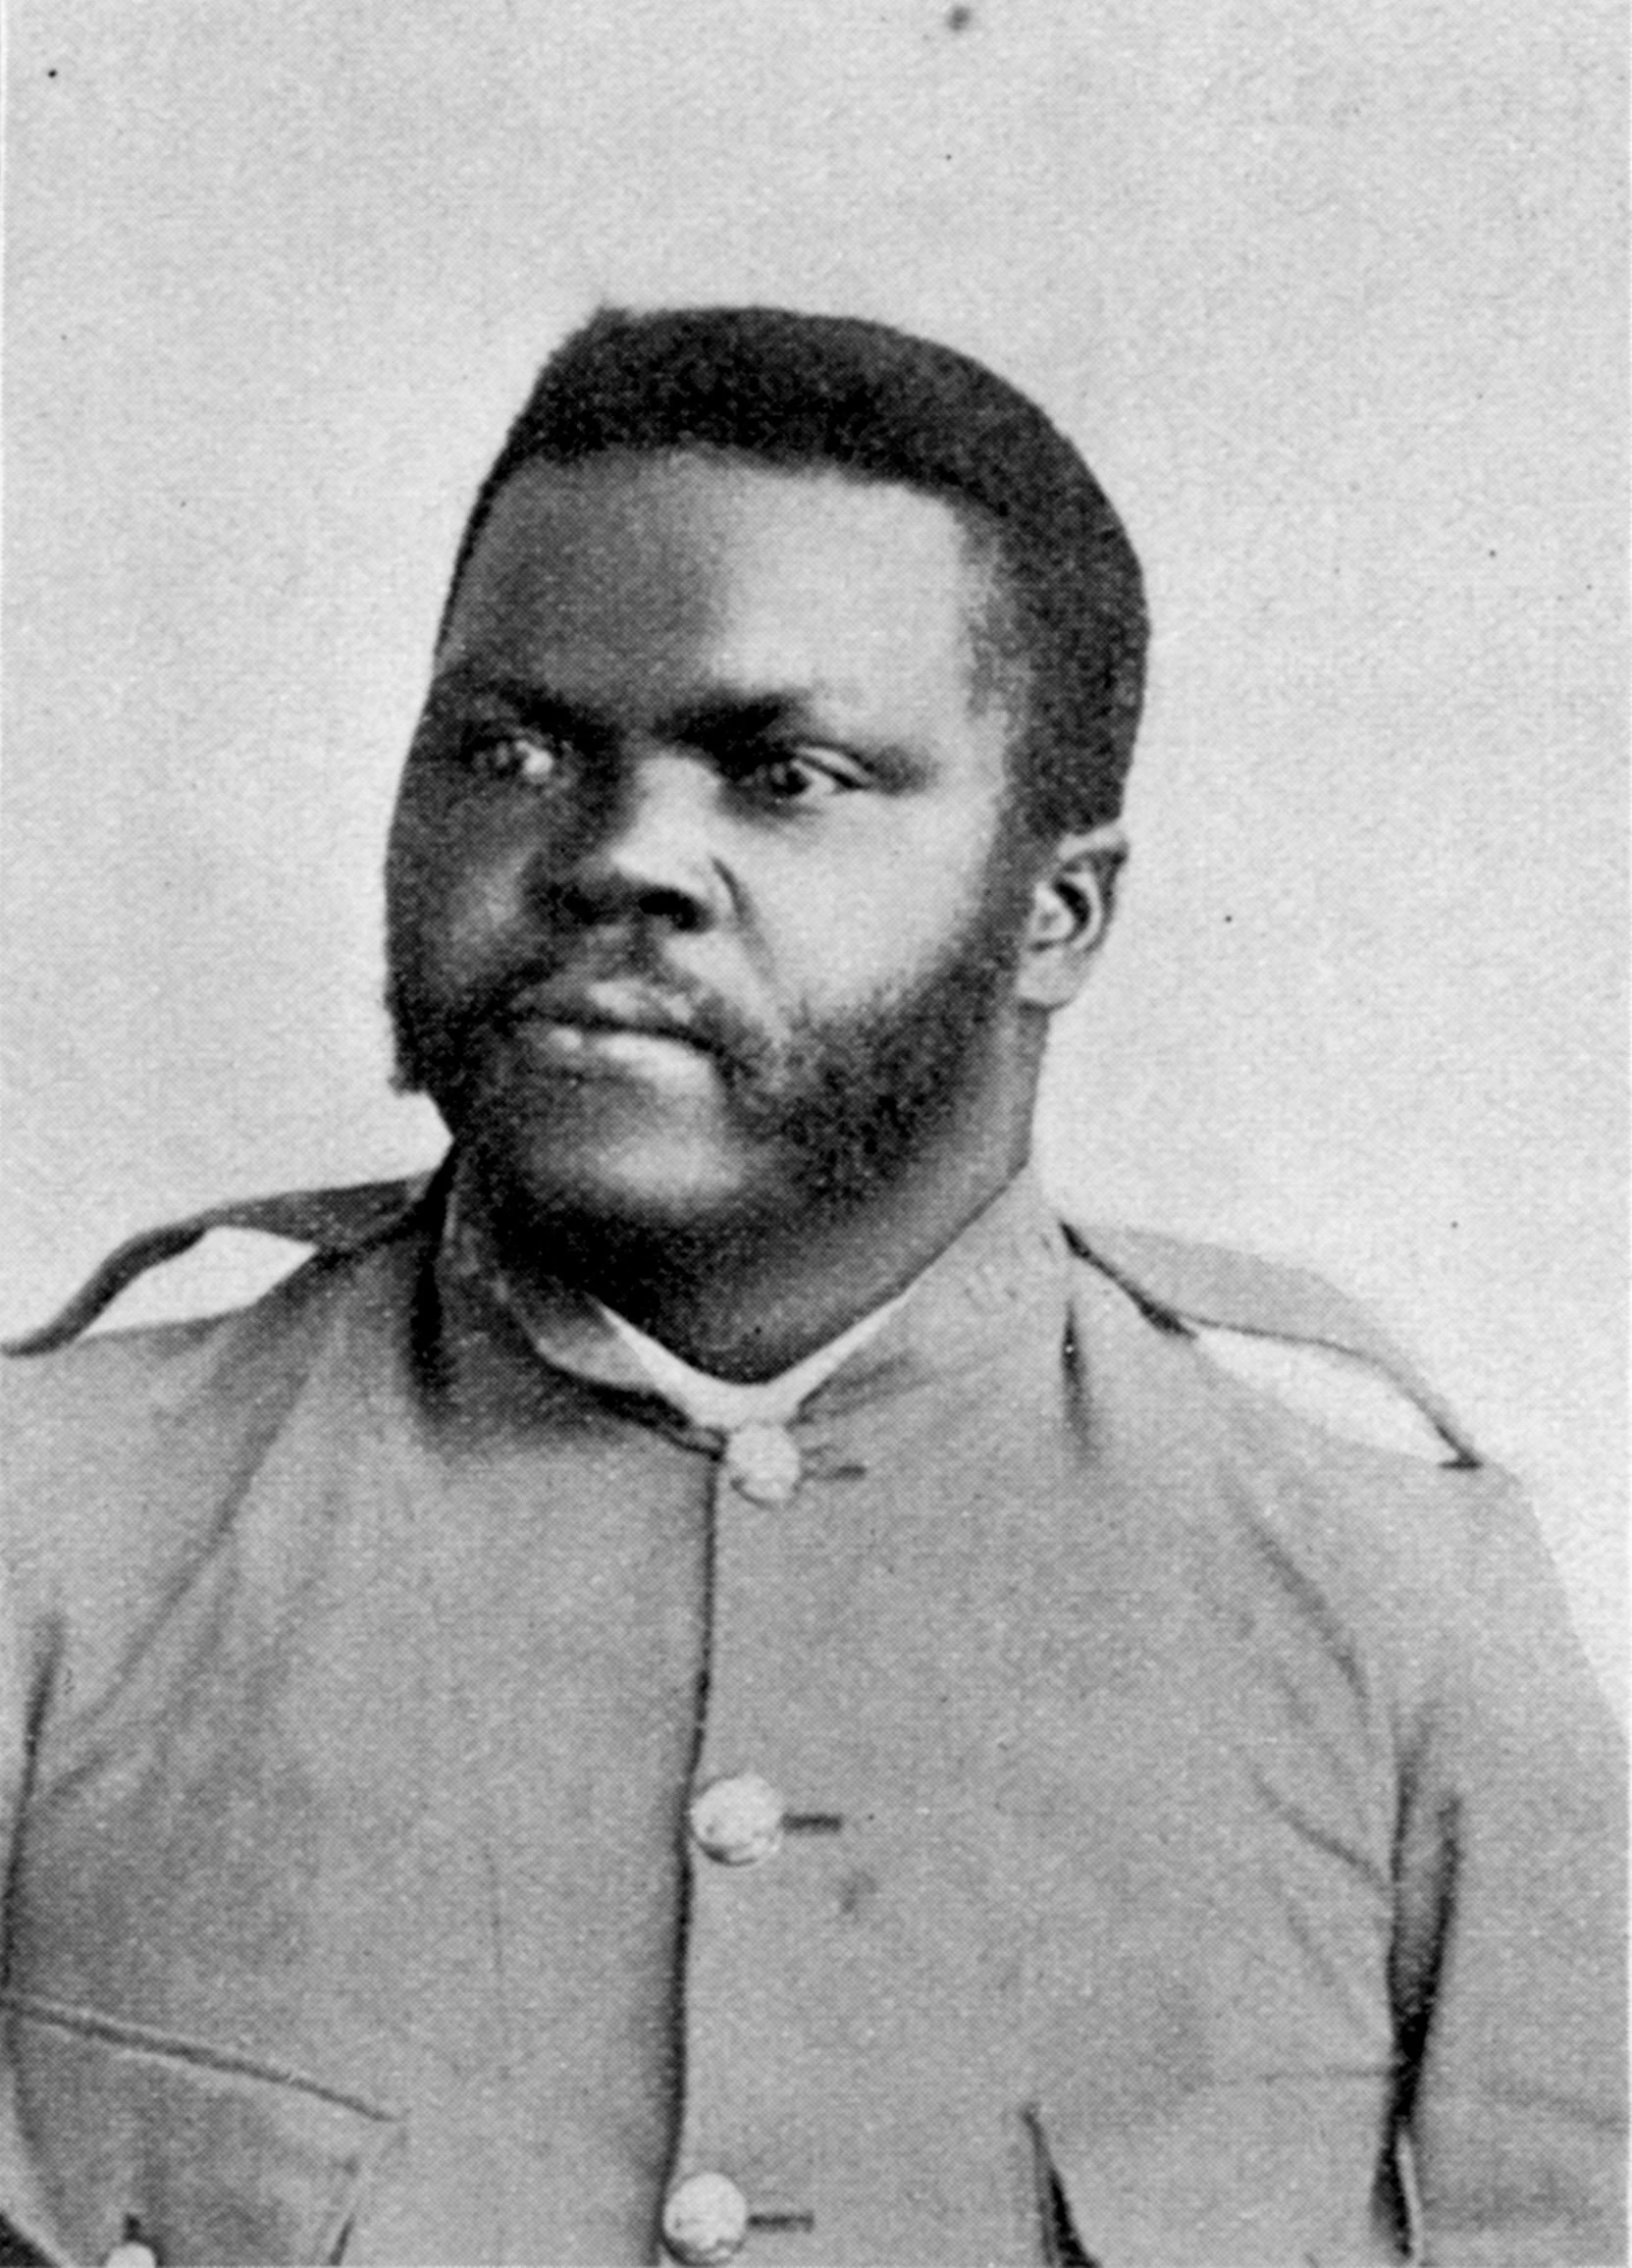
column 613, row 1024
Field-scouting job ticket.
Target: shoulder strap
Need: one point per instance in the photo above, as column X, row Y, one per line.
column 1182, row 1285
column 334, row 1221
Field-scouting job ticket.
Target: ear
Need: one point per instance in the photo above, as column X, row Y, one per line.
column 1072, row 903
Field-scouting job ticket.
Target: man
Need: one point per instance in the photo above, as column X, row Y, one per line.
column 712, row 1682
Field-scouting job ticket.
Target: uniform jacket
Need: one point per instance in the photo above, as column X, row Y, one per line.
column 1199, row 1837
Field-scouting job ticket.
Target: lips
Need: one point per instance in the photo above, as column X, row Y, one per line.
column 615, row 1006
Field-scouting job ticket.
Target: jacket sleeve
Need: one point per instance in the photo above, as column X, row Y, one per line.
column 26, row 2240
column 1510, row 1961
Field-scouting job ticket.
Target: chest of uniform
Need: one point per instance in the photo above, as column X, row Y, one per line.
column 831, row 1836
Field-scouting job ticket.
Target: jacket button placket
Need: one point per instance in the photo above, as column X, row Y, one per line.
column 740, row 2181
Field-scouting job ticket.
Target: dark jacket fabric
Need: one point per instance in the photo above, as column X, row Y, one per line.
column 1202, row 1836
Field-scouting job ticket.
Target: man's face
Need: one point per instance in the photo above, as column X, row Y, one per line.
column 696, row 906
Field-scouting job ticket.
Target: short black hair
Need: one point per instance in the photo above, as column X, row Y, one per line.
column 796, row 390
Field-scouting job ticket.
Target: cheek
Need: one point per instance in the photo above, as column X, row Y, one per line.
column 861, row 931
column 483, row 904
column 457, row 899
column 851, row 948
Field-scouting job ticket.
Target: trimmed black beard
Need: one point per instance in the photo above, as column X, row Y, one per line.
column 848, row 1101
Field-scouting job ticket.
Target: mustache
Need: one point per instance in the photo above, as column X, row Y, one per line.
column 618, row 985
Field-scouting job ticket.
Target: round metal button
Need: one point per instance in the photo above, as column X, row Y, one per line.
column 131, row 2253
column 738, row 1820
column 704, row 2219
column 762, row 1460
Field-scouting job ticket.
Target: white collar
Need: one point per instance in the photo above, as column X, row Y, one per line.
column 723, row 1404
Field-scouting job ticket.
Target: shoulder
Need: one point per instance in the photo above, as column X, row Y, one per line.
column 1286, row 1332
column 58, row 1386
column 121, row 1448
column 1341, row 1493
column 334, row 1223
column 1347, row 1528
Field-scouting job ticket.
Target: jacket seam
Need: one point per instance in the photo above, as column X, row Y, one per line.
column 179, row 2048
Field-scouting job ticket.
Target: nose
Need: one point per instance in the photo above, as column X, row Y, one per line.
column 640, row 845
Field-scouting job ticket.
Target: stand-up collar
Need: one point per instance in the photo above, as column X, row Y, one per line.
column 1000, row 1283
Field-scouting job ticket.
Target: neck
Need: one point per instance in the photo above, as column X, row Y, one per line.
column 746, row 1300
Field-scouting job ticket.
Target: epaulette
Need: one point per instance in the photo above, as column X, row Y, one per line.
column 1209, row 1288
column 334, row 1222
column 1181, row 1286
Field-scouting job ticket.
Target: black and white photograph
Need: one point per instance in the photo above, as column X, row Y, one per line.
column 813, row 1167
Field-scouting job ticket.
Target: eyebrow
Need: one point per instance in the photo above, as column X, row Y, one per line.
column 531, row 699
column 712, row 720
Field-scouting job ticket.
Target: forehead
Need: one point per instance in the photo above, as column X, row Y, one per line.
column 777, row 575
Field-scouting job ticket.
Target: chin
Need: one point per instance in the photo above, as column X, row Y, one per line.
column 640, row 1184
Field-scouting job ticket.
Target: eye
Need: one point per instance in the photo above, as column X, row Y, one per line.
column 529, row 759
column 799, row 776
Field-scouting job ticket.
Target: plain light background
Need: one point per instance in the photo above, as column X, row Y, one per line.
column 1332, row 299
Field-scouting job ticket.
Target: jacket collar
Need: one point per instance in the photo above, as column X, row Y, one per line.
column 999, row 1289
